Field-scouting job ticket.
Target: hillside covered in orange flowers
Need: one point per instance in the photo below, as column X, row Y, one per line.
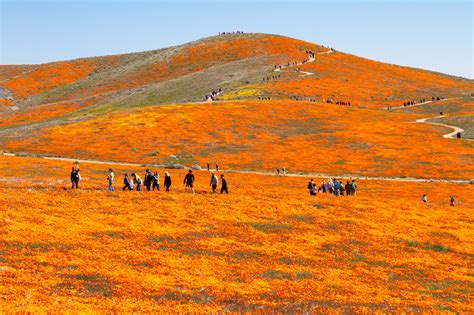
column 267, row 246
column 235, row 63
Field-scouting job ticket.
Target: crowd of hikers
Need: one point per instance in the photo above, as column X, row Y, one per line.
column 334, row 186
column 273, row 77
column 422, row 101
column 151, row 181
column 229, row 33
column 331, row 101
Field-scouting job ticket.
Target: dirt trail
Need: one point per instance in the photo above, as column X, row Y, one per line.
column 451, row 135
column 305, row 175
column 311, row 59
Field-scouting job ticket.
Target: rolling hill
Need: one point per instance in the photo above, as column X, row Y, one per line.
column 267, row 246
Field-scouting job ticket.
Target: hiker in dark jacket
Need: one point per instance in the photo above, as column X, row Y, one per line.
column 167, row 181
column 189, row 181
column 312, row 188
column 148, row 180
column 224, row 185
column 127, row 183
column 348, row 189
column 75, row 177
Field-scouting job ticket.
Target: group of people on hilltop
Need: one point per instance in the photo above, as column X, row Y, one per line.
column 334, row 186
column 229, row 33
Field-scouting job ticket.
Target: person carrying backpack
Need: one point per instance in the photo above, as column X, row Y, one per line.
column 137, row 181
column 167, row 181
column 156, row 181
column 128, row 184
column 189, row 181
column 353, row 188
column 111, row 178
column 348, row 188
column 75, row 177
column 224, row 186
column 214, row 182
column 148, row 180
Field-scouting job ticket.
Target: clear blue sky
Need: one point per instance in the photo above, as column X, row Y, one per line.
column 430, row 34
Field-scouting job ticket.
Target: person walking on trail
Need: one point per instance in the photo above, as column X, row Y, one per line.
column 189, row 181
column 208, row 166
column 348, row 188
column 75, row 177
column 324, row 186
column 342, row 189
column 331, row 186
column 148, row 179
column 137, row 181
column 424, row 198
column 127, row 183
column 451, row 203
column 156, row 181
column 214, row 182
column 353, row 188
column 337, row 188
column 111, row 178
column 312, row 187
column 217, row 167
column 167, row 181
column 224, row 187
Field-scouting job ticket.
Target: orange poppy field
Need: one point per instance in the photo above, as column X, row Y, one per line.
column 261, row 135
column 266, row 247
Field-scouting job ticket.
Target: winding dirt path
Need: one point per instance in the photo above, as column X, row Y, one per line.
column 312, row 59
column 305, row 175
column 451, row 135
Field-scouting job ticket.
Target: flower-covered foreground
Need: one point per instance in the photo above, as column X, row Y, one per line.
column 267, row 246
